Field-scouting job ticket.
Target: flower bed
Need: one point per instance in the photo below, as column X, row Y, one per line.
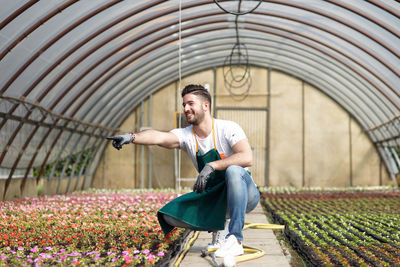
column 337, row 227
column 87, row 228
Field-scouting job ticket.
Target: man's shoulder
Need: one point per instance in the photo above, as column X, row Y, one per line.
column 225, row 123
column 184, row 131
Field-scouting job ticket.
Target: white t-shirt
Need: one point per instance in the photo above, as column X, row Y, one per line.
column 227, row 134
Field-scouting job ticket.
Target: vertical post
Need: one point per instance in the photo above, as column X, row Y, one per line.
column 380, row 170
column 303, row 137
column 350, row 153
column 176, row 168
column 176, row 152
column 142, row 147
column 267, row 156
column 214, row 92
column 150, row 154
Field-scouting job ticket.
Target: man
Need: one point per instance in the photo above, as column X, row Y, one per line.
column 220, row 151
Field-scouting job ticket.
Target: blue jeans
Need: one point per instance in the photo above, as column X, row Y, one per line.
column 243, row 197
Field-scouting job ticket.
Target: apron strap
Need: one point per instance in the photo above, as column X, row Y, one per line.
column 197, row 145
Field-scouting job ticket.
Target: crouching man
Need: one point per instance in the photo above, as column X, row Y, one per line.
column 220, row 151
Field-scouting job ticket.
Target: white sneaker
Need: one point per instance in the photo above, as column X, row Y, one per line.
column 231, row 247
column 218, row 237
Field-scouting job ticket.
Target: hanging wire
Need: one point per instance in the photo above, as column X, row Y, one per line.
column 180, row 46
column 179, row 88
column 236, row 68
column 238, row 13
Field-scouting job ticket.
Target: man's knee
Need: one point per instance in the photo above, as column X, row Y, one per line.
column 233, row 173
column 233, row 170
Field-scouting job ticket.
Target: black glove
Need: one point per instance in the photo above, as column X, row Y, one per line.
column 203, row 178
column 120, row 140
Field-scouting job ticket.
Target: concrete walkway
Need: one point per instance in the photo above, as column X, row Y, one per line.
column 259, row 238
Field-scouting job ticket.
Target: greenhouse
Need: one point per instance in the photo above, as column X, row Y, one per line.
column 109, row 109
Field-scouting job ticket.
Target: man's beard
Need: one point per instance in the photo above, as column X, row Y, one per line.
column 196, row 119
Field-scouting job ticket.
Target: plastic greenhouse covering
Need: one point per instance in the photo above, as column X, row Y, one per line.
column 65, row 64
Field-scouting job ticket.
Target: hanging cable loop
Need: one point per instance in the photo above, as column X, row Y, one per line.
column 236, row 67
column 239, row 59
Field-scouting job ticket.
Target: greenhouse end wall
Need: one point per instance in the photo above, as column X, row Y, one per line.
column 312, row 140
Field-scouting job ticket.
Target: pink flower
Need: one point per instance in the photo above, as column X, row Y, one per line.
column 73, row 254
column 160, row 254
column 34, row 250
column 46, row 256
column 146, row 251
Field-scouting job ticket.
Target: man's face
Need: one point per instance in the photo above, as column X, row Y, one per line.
column 194, row 108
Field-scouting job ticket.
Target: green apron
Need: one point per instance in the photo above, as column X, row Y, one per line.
column 206, row 210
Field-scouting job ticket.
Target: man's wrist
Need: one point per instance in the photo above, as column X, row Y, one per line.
column 133, row 137
column 212, row 164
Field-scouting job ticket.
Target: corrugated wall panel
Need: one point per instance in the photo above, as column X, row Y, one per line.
column 254, row 124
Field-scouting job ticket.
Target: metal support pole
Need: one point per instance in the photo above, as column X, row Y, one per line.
column 150, row 166
column 142, row 147
column 215, row 92
column 268, row 126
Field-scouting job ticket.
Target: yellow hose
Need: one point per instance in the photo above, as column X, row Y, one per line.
column 263, row 226
column 251, row 252
column 186, row 249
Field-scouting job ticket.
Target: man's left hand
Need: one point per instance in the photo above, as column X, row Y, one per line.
column 203, row 178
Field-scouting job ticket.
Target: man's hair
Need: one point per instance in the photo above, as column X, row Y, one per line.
column 197, row 89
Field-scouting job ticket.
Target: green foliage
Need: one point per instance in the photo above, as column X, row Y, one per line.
column 66, row 165
column 337, row 227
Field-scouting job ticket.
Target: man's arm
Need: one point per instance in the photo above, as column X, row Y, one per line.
column 159, row 138
column 147, row 137
column 242, row 156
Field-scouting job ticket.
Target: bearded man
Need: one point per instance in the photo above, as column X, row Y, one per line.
column 221, row 153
